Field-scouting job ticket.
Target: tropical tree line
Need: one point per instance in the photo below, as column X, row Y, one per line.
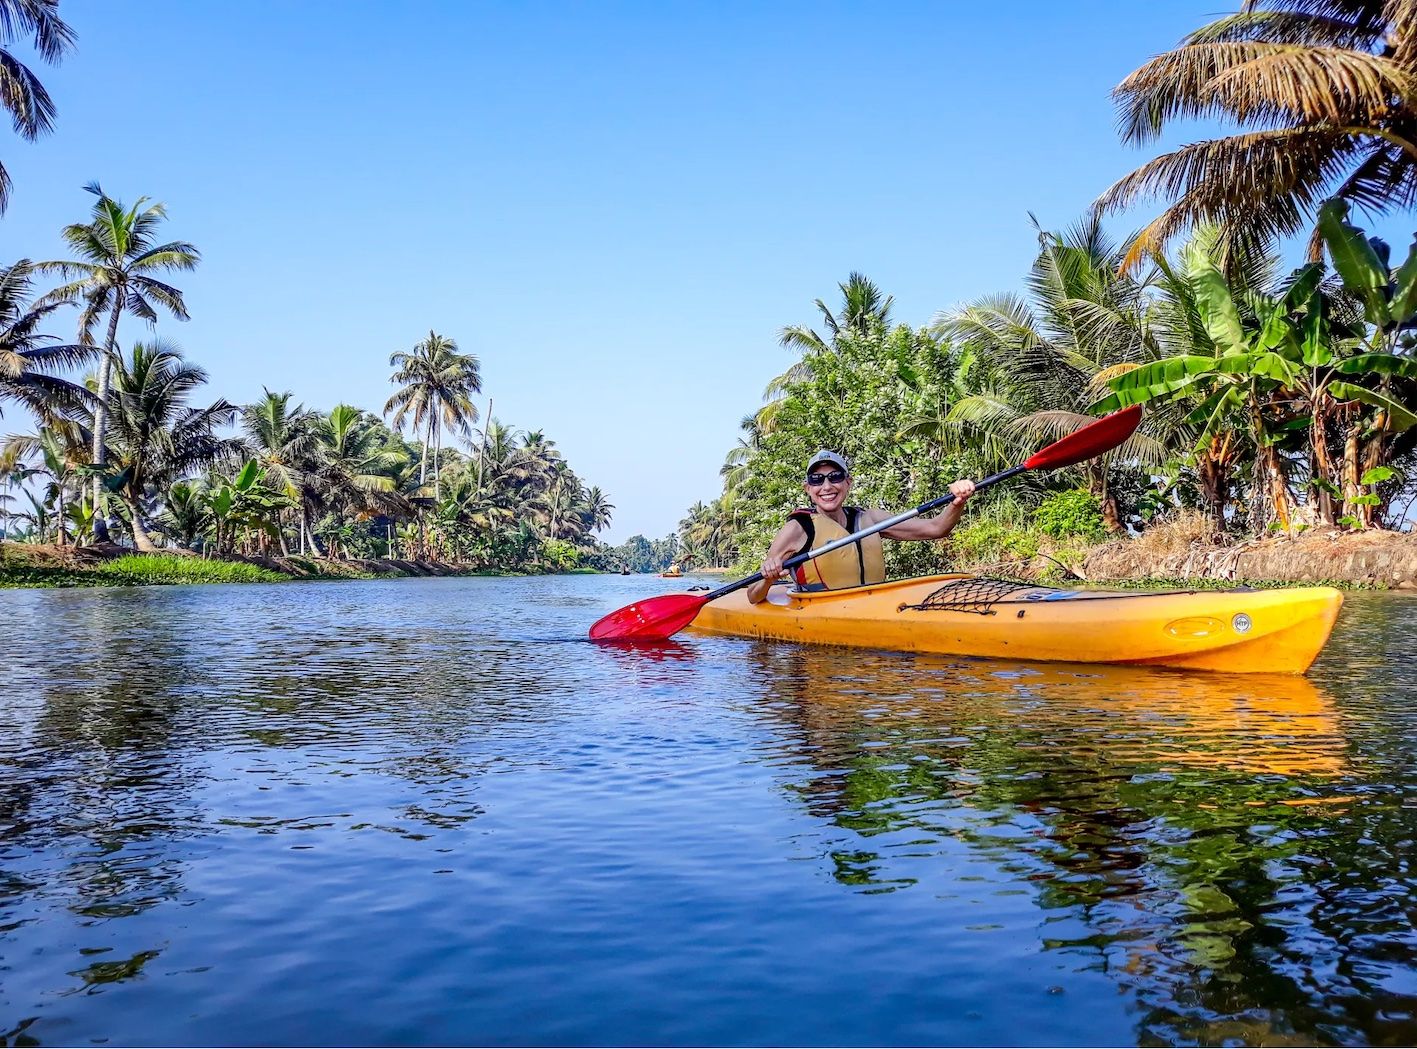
column 1276, row 400
column 127, row 451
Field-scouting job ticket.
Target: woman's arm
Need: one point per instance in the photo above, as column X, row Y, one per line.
column 789, row 539
column 931, row 527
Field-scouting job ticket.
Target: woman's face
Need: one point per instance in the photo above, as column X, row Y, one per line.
column 827, row 486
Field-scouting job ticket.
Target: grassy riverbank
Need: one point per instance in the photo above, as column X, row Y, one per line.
column 25, row 565
column 132, row 570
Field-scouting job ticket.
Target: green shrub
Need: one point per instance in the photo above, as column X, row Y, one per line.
column 138, row 569
column 986, row 542
column 1076, row 513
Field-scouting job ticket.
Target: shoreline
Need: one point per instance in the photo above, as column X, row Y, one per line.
column 1366, row 560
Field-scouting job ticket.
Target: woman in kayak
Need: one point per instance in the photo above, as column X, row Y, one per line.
column 827, row 485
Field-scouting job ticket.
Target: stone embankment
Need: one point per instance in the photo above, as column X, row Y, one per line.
column 1372, row 558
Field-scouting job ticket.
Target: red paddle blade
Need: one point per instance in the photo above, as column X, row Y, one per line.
column 1092, row 440
column 653, row 619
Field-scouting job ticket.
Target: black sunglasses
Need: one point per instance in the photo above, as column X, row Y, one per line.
column 835, row 477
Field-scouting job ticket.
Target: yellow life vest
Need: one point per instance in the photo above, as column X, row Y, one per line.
column 856, row 565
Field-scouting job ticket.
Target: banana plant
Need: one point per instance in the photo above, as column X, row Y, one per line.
column 81, row 516
column 1278, row 375
column 244, row 502
column 1389, row 299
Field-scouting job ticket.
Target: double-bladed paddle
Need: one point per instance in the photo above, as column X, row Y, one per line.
column 657, row 618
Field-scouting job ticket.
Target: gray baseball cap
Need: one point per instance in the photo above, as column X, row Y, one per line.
column 827, row 456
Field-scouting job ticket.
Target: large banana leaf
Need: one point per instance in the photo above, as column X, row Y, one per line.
column 1399, row 416
column 247, row 477
column 1276, row 332
column 1378, row 364
column 1404, row 291
column 1213, row 301
column 1211, row 414
column 1355, row 260
column 1157, row 379
column 1277, row 367
column 1303, row 283
column 1315, row 349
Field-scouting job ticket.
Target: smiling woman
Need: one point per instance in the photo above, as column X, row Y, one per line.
column 830, row 519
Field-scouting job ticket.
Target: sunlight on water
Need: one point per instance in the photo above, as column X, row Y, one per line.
column 427, row 811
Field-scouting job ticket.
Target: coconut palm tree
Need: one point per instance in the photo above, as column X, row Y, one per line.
column 31, row 109
column 285, row 444
column 863, row 308
column 353, row 475
column 58, row 452
column 436, row 385
column 1323, row 98
column 1041, row 360
column 155, row 438
column 596, row 510
column 114, row 271
column 27, row 357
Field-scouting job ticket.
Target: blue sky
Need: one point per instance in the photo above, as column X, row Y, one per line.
column 615, row 205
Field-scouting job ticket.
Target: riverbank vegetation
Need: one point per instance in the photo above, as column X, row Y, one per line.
column 134, row 449
column 1280, row 400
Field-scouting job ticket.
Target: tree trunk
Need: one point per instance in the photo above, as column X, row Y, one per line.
column 1269, row 471
column 100, row 414
column 1371, row 458
column 62, row 517
column 1321, row 465
column 437, row 451
column 310, row 531
column 482, row 452
column 141, row 539
column 423, row 459
column 1351, row 488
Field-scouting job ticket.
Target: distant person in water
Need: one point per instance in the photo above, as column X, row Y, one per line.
column 828, row 483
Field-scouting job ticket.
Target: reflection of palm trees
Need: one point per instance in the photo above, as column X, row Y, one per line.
column 1168, row 813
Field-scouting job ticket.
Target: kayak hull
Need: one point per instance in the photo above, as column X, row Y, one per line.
column 1237, row 631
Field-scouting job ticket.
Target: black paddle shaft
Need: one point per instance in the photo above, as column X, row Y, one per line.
column 854, row 537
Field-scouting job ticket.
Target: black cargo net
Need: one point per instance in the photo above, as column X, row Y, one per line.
column 977, row 595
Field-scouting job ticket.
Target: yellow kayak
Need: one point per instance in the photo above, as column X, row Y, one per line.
column 1241, row 631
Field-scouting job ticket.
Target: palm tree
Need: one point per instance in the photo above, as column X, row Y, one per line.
column 597, row 509
column 437, row 383
column 1322, row 96
column 26, row 357
column 285, row 443
column 1040, row 362
column 354, row 473
column 862, row 309
column 59, row 451
column 114, row 272
column 154, row 437
column 23, row 96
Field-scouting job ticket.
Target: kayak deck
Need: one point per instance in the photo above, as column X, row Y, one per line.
column 1240, row 631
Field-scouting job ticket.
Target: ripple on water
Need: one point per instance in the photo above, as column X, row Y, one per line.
column 428, row 811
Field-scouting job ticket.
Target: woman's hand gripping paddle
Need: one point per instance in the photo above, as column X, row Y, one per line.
column 658, row 618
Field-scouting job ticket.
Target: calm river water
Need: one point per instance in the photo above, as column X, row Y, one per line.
column 426, row 811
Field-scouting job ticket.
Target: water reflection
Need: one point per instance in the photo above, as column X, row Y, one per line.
column 1194, row 836
column 212, row 800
